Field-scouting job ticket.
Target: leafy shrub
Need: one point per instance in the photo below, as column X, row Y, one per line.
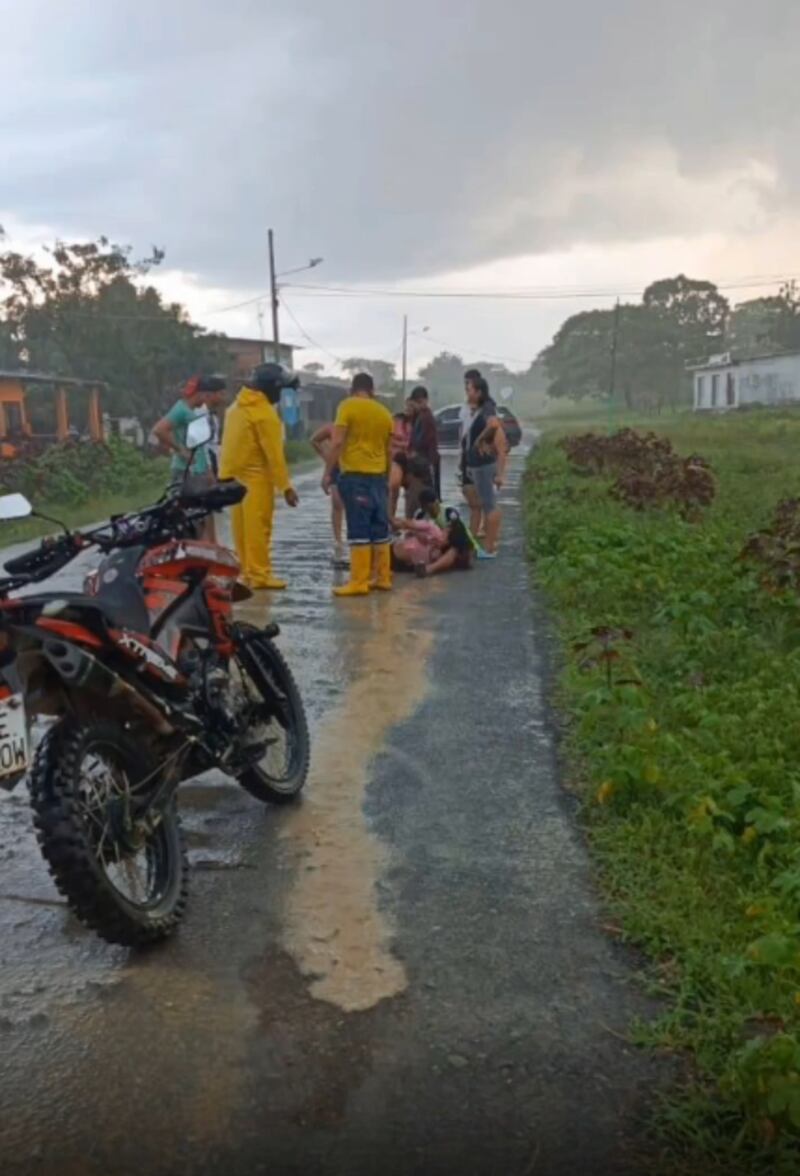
column 74, row 472
column 649, row 473
column 775, row 550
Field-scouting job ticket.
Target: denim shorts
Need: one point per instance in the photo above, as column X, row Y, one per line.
column 366, row 508
column 482, row 478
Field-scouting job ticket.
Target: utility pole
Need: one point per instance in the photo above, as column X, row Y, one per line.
column 613, row 373
column 273, row 285
column 405, row 352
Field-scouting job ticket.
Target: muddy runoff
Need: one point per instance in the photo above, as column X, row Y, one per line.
column 334, row 927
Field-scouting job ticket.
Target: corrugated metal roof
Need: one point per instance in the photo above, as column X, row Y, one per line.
column 45, row 378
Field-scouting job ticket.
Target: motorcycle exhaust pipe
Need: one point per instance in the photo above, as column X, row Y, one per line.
column 78, row 668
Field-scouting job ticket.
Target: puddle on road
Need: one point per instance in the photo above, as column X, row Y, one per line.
column 334, row 929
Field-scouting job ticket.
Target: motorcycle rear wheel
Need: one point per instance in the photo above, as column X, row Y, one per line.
column 279, row 777
column 128, row 885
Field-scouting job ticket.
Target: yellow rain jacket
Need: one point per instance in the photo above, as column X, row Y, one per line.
column 252, row 452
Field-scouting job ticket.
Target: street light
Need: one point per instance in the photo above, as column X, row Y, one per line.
column 273, row 286
column 313, row 263
column 405, row 349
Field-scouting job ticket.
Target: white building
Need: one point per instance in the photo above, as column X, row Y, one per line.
column 724, row 382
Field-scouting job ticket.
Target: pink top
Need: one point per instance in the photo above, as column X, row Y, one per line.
column 424, row 542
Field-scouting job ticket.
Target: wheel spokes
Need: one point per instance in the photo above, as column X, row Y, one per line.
column 132, row 869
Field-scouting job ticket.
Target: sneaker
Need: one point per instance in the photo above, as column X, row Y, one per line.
column 482, row 554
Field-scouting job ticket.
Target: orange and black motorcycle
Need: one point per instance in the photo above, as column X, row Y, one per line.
column 145, row 679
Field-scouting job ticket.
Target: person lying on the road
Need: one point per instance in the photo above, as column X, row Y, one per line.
column 458, row 553
column 420, row 543
column 429, row 549
column 431, row 507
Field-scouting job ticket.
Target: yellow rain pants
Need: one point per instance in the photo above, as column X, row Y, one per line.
column 252, row 452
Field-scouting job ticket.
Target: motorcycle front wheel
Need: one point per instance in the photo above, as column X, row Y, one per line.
column 125, row 880
column 278, row 722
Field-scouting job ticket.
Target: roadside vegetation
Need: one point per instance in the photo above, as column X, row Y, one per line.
column 82, row 482
column 674, row 575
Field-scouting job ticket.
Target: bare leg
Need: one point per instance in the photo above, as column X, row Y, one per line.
column 445, row 563
column 475, row 512
column 493, row 521
column 395, row 486
column 337, row 515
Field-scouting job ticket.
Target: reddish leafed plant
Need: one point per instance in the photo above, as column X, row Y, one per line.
column 648, row 470
column 775, row 550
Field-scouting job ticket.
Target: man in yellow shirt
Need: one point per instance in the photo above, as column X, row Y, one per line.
column 361, row 447
column 252, row 452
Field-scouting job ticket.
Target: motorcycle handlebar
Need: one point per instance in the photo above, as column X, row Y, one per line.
column 47, row 559
column 173, row 515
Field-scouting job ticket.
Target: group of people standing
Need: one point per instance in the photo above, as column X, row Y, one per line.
column 371, row 457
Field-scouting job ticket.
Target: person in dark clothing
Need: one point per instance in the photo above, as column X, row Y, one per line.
column 485, row 453
column 424, row 438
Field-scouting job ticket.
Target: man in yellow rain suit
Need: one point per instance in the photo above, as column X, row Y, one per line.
column 252, row 452
column 360, row 447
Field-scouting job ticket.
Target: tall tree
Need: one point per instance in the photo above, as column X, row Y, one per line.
column 87, row 312
column 693, row 318
column 578, row 361
column 757, row 326
column 382, row 372
column 443, row 376
column 787, row 329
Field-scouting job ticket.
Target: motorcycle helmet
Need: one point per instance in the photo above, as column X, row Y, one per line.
column 271, row 379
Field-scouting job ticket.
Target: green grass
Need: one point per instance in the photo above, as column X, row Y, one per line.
column 93, row 511
column 144, row 490
column 691, row 779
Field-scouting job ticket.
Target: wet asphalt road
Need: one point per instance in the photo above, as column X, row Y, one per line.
column 405, row 974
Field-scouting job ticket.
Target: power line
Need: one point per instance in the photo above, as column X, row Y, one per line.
column 239, row 305
column 305, row 334
column 472, row 350
column 523, row 294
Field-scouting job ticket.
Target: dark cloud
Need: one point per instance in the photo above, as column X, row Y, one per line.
column 394, row 139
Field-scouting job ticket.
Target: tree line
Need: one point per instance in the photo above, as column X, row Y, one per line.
column 84, row 311
column 640, row 352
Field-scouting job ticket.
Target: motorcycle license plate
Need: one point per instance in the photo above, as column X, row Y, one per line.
column 14, row 752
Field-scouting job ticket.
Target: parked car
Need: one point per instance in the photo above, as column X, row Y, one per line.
column 448, row 425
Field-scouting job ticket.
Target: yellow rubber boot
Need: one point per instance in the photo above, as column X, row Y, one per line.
column 268, row 584
column 360, row 566
column 382, row 567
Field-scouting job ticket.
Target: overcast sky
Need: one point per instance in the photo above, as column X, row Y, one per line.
column 480, row 145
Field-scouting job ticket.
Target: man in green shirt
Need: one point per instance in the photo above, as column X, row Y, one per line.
column 201, row 394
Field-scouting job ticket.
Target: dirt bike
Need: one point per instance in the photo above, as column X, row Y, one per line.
column 148, row 680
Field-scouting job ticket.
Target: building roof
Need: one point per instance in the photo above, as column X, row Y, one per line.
column 26, row 377
column 726, row 360
column 262, row 342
